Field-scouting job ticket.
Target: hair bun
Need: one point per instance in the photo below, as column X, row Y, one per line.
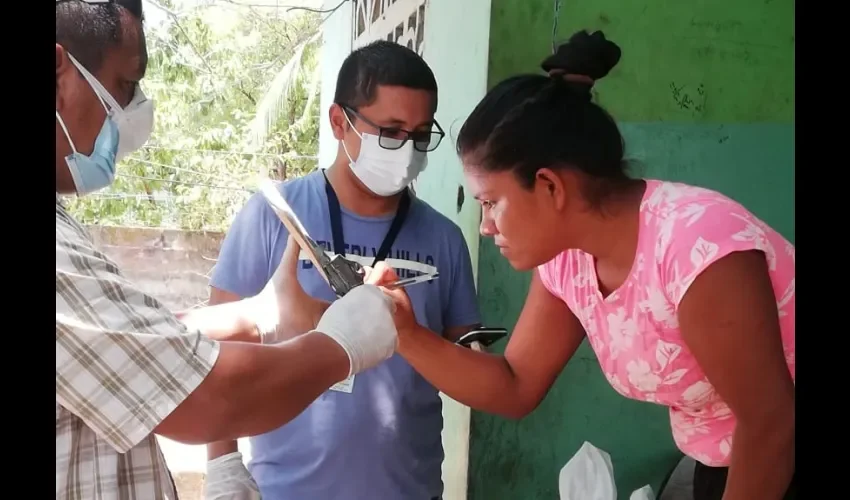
column 587, row 54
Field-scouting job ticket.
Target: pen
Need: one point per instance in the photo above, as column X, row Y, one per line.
column 422, row 278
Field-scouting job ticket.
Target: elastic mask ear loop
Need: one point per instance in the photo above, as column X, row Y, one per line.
column 102, row 103
column 110, row 105
column 65, row 129
column 352, row 125
column 106, row 108
column 344, row 148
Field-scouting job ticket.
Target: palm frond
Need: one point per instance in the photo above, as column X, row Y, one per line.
column 312, row 94
column 273, row 105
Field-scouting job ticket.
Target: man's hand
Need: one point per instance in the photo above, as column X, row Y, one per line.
column 283, row 309
column 405, row 320
column 228, row 479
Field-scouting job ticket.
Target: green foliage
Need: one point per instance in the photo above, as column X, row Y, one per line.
column 236, row 98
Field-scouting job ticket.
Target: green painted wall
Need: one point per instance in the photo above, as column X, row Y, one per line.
column 741, row 53
column 704, row 94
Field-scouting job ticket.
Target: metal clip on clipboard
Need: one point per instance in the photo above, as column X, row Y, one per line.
column 341, row 274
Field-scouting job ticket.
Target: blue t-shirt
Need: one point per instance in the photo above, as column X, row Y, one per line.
column 382, row 440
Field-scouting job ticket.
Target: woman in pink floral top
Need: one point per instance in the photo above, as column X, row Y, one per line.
column 686, row 297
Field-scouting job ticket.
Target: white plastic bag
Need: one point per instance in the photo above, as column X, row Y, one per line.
column 644, row 493
column 589, row 475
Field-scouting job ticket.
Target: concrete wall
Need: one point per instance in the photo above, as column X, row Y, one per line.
column 171, row 265
column 704, row 94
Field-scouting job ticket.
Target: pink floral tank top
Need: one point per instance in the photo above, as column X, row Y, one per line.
column 634, row 331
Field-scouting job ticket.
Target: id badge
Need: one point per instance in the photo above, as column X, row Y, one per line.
column 345, row 386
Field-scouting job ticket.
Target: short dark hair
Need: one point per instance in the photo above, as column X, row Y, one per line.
column 88, row 30
column 529, row 122
column 377, row 64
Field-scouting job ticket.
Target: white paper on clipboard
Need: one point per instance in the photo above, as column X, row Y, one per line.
column 287, row 216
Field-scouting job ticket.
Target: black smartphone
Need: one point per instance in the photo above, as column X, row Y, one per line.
column 486, row 336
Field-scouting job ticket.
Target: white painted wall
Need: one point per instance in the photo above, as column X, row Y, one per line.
column 457, row 39
column 336, row 45
column 457, row 44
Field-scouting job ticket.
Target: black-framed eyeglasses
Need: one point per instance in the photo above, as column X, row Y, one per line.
column 393, row 138
column 90, row 1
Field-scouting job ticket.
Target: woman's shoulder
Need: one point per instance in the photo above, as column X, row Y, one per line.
column 671, row 207
column 692, row 209
column 688, row 228
column 666, row 199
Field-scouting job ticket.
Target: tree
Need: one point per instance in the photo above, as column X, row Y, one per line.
column 236, row 95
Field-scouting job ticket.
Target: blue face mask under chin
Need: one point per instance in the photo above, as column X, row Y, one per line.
column 95, row 171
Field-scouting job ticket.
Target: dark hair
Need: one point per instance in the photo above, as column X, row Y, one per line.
column 381, row 63
column 88, row 30
column 529, row 122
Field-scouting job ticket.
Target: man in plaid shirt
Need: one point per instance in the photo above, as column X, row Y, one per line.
column 126, row 367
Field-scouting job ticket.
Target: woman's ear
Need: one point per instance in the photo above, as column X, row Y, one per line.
column 553, row 186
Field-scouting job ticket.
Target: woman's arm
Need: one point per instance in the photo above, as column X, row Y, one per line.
column 730, row 322
column 545, row 338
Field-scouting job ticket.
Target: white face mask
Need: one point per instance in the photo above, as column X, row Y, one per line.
column 385, row 172
column 135, row 122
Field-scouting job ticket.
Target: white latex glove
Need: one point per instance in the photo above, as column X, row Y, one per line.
column 229, row 479
column 362, row 323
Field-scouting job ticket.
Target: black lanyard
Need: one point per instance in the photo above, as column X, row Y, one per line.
column 336, row 222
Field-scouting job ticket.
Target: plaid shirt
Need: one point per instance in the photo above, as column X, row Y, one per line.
column 123, row 363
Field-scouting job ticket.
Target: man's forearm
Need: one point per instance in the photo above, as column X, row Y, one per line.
column 762, row 463
column 230, row 321
column 447, row 367
column 253, row 389
column 281, row 385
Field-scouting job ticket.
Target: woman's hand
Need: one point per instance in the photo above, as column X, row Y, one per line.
column 283, row 309
column 405, row 320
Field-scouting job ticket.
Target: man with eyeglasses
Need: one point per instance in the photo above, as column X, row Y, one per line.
column 378, row 434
